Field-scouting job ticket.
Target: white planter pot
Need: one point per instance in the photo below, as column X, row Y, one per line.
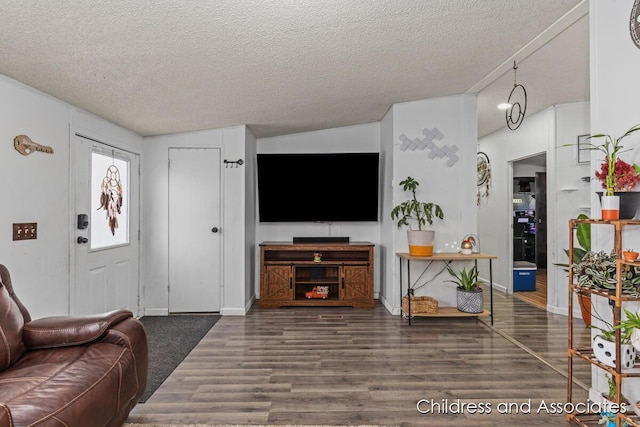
column 610, row 207
column 470, row 301
column 605, row 352
column 635, row 339
column 421, row 242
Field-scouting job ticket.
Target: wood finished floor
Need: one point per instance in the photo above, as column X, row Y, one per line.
column 344, row 366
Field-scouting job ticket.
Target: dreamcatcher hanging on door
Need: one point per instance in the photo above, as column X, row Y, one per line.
column 484, row 176
column 111, row 197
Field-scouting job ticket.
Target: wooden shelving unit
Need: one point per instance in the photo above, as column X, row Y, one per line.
column 288, row 271
column 616, row 299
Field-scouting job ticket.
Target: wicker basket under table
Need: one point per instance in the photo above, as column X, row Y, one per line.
column 420, row 305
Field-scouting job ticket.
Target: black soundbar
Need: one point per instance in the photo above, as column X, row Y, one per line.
column 321, row 239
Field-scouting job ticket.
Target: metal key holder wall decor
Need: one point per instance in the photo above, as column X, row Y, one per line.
column 111, row 196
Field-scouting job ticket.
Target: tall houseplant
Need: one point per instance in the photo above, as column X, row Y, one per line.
column 421, row 213
column 615, row 174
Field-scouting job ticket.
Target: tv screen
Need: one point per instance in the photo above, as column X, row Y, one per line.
column 318, row 187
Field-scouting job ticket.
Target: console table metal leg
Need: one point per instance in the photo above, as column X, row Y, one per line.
column 409, row 291
column 491, row 288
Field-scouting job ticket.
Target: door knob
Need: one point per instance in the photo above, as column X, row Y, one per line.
column 82, row 240
column 215, row 230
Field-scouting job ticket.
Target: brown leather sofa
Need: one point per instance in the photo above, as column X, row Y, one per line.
column 84, row 371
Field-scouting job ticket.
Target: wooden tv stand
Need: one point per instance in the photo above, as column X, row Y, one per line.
column 289, row 274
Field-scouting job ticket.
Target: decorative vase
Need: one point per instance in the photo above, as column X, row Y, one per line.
column 610, row 207
column 470, row 301
column 421, row 242
column 605, row 352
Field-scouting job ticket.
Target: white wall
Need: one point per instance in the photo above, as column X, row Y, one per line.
column 452, row 187
column 349, row 139
column 251, row 209
column 36, row 189
column 615, row 62
column 232, row 142
column 545, row 132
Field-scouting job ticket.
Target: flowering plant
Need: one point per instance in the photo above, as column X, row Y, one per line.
column 611, row 170
column 625, row 177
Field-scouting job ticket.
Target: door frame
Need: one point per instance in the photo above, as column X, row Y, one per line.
column 72, row 218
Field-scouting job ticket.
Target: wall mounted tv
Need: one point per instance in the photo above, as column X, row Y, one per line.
column 318, row 187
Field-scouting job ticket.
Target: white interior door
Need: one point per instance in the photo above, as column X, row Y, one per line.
column 194, row 230
column 106, row 235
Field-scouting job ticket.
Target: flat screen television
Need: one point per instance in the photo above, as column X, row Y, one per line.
column 318, row 187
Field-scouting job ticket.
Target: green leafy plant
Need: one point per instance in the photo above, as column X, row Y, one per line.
column 631, row 322
column 597, row 270
column 583, row 235
column 412, row 209
column 465, row 279
column 610, row 334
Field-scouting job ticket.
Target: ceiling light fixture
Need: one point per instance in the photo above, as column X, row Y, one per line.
column 518, row 103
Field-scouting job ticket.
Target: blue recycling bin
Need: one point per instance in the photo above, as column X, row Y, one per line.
column 524, row 276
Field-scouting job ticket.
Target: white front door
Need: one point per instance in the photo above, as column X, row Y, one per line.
column 194, row 230
column 106, row 238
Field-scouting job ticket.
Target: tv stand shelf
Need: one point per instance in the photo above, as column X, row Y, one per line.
column 291, row 275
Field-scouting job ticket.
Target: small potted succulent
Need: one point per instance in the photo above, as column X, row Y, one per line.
column 421, row 213
column 469, row 294
column 630, row 255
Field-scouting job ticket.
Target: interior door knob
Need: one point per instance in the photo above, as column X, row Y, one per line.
column 215, row 229
column 82, row 240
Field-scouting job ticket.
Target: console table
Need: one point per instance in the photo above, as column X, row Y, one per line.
column 446, row 258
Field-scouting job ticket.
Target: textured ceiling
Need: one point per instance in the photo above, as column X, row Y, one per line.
column 285, row 66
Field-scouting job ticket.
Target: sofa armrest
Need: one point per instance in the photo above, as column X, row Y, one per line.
column 65, row 331
column 5, row 416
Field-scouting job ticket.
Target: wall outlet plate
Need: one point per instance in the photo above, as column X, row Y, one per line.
column 25, row 231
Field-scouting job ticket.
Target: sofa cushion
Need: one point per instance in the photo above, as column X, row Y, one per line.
column 70, row 386
column 11, row 323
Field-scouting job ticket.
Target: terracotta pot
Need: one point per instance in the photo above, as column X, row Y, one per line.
column 584, row 300
column 630, row 255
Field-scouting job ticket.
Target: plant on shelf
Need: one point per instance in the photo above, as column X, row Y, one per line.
column 420, row 213
column 469, row 295
column 630, row 255
column 604, row 346
column 597, row 271
column 608, row 417
column 583, row 236
column 631, row 325
column 615, row 174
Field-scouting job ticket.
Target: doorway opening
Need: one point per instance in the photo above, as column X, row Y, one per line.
column 529, row 215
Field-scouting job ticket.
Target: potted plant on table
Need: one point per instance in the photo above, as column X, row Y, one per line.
column 616, row 175
column 420, row 240
column 469, row 296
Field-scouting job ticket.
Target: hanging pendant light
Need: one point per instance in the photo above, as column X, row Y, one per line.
column 517, row 103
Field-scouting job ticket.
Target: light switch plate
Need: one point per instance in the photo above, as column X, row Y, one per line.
column 25, row 230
